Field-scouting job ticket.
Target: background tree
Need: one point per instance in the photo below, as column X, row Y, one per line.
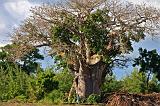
column 154, row 85
column 136, row 83
column 4, row 62
column 149, row 62
column 29, row 61
column 89, row 35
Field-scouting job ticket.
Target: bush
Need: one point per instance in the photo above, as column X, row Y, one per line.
column 41, row 84
column 21, row 98
column 65, row 80
column 135, row 83
column 12, row 83
column 56, row 97
column 111, row 85
column 93, row 98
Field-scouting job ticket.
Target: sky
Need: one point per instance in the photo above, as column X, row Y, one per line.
column 13, row 12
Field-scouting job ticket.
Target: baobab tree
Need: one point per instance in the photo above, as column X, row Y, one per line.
column 89, row 35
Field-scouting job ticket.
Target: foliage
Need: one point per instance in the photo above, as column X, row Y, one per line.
column 56, row 97
column 93, row 98
column 136, row 83
column 111, row 85
column 154, row 85
column 15, row 83
column 65, row 79
column 21, row 98
column 18, row 86
column 12, row 83
column 98, row 28
column 27, row 62
column 41, row 84
column 50, row 86
column 3, row 55
column 91, row 30
column 149, row 62
column 4, row 62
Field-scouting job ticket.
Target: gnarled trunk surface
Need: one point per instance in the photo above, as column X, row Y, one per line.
column 89, row 79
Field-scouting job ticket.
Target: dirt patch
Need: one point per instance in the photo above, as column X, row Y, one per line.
column 38, row 104
column 24, row 104
column 126, row 99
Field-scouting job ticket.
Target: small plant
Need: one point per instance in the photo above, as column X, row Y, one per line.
column 21, row 98
column 55, row 96
column 93, row 99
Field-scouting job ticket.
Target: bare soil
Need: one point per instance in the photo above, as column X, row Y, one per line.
column 126, row 99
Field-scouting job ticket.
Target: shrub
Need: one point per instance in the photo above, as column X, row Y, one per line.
column 12, row 82
column 93, row 98
column 41, row 84
column 21, row 98
column 111, row 85
column 56, row 96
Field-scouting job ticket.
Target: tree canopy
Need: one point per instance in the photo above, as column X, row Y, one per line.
column 28, row 62
column 86, row 27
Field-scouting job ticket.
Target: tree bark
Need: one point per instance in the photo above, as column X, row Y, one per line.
column 90, row 78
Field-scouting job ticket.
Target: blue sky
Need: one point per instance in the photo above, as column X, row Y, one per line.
column 13, row 12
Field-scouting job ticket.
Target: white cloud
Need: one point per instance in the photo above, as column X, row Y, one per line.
column 137, row 1
column 2, row 45
column 154, row 3
column 2, row 26
column 11, row 14
column 18, row 8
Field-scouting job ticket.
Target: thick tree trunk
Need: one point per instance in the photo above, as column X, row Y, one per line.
column 90, row 78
